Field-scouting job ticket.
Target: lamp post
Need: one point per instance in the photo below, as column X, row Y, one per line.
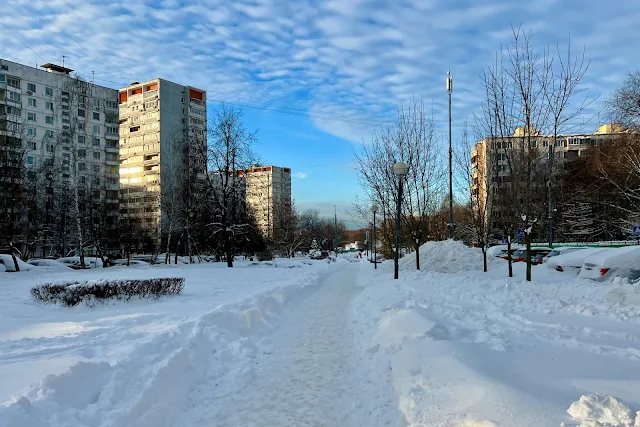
column 374, row 210
column 400, row 170
column 451, row 224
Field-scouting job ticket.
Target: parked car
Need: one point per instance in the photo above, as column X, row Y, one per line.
column 7, row 261
column 132, row 263
column 617, row 262
column 561, row 251
column 537, row 254
column 572, row 261
column 51, row 264
column 500, row 251
column 74, row 262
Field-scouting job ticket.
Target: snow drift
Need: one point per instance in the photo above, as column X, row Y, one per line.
column 448, row 256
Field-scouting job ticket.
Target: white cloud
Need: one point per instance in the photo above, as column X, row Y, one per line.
column 357, row 59
column 300, row 175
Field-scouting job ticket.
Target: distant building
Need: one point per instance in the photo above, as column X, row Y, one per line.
column 268, row 192
column 490, row 157
column 159, row 122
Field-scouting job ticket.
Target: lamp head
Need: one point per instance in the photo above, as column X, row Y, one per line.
column 400, row 169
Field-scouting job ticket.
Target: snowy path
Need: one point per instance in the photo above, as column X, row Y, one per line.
column 309, row 372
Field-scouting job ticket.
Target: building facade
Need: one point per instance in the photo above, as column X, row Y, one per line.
column 268, row 193
column 163, row 129
column 65, row 130
column 493, row 160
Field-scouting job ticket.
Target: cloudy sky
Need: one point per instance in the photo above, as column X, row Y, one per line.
column 315, row 78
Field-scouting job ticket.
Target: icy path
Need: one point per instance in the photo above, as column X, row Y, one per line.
column 309, row 372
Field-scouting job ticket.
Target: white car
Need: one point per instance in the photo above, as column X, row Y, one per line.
column 616, row 262
column 573, row 260
column 74, row 262
column 7, row 261
column 501, row 250
column 561, row 251
column 51, row 264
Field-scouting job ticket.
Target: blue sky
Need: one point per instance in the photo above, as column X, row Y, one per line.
column 322, row 74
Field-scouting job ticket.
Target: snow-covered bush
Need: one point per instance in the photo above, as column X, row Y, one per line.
column 89, row 291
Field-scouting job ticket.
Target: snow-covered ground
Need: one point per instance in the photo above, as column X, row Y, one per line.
column 467, row 348
column 133, row 363
column 327, row 344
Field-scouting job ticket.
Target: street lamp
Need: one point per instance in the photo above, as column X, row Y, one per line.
column 374, row 210
column 400, row 170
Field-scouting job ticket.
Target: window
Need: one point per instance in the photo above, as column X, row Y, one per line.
column 151, row 104
column 65, row 108
column 96, row 141
column 80, row 126
column 13, row 82
column 31, row 160
column 96, row 155
column 96, row 116
column 48, row 106
column 48, row 120
column 50, row 150
column 80, row 112
column 81, row 140
column 65, row 93
column 83, row 179
column 2, row 77
column 33, row 145
column 31, row 117
column 82, row 167
column 82, row 153
column 49, row 162
column 14, row 96
column 96, row 168
column 574, row 141
column 14, row 110
column 31, row 102
column 31, row 87
column 31, row 131
column 48, row 134
column 111, row 104
column 48, row 91
column 96, row 129
column 112, row 130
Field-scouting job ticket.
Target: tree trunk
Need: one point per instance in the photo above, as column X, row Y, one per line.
column 484, row 258
column 509, row 254
column 528, row 242
column 229, row 256
column 417, row 256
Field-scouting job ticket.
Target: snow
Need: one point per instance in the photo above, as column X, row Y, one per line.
column 619, row 261
column 573, row 259
column 327, row 343
column 470, row 348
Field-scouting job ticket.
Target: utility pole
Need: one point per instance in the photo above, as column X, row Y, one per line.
column 451, row 224
column 550, row 193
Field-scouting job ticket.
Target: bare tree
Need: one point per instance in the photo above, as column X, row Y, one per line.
column 410, row 139
column 624, row 105
column 229, row 152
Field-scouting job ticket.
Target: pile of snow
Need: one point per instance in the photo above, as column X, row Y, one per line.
column 594, row 410
column 448, row 256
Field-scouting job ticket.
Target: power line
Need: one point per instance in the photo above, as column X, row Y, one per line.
column 21, row 41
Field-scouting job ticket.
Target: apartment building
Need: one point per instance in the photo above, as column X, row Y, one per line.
column 161, row 124
column 490, row 158
column 268, row 190
column 69, row 127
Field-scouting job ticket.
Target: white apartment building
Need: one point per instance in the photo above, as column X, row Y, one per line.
column 68, row 124
column 160, row 124
column 268, row 190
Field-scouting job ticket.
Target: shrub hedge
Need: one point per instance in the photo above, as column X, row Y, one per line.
column 91, row 291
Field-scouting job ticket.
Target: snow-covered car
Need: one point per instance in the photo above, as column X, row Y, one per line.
column 74, row 262
column 572, row 261
column 616, row 262
column 562, row 250
column 500, row 251
column 537, row 254
column 51, row 264
column 7, row 261
column 132, row 263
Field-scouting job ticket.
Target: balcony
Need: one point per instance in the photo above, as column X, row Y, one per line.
column 110, row 135
column 197, row 102
column 152, row 94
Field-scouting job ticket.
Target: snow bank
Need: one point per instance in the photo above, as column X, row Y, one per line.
column 464, row 347
column 140, row 361
column 599, row 409
column 448, row 256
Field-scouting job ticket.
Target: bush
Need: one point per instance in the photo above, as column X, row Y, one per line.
column 89, row 291
column 265, row 256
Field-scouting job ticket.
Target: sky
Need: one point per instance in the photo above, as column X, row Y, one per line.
column 315, row 79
